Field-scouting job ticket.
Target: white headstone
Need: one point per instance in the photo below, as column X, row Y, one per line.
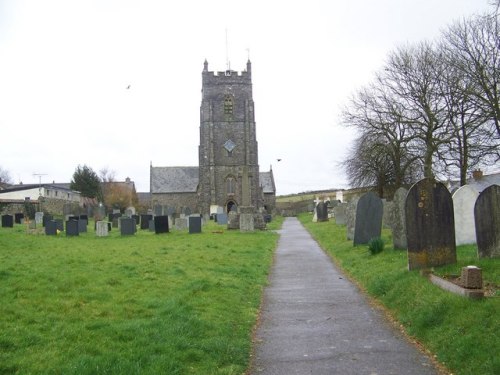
column 463, row 206
column 39, row 217
column 101, row 229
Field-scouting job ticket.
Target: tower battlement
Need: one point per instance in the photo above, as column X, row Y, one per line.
column 227, row 76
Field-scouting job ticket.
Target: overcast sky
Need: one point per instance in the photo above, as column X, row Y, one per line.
column 65, row 66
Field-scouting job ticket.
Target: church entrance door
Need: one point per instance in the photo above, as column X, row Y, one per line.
column 231, row 206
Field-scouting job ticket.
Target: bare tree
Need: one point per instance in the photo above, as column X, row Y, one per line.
column 5, row 176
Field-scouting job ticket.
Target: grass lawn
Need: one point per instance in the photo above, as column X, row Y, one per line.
column 142, row 304
column 463, row 334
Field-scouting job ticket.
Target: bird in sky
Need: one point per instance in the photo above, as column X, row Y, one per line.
column 128, row 87
column 278, row 160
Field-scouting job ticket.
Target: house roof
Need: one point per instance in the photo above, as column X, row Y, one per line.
column 174, row 179
column 35, row 186
column 478, row 184
column 267, row 182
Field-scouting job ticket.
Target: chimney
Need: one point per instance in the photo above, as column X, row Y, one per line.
column 477, row 174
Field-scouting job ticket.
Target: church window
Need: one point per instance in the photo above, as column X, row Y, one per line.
column 230, row 185
column 228, row 105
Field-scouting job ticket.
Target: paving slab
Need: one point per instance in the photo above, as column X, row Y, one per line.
column 315, row 321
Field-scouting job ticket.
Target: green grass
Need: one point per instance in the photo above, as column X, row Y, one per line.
column 143, row 304
column 462, row 333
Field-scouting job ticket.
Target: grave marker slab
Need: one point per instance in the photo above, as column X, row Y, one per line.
column 181, row 223
column 145, row 221
column 46, row 218
column 487, row 219
column 322, row 212
column 127, row 226
column 430, row 225
column 18, row 217
column 398, row 219
column 7, row 221
column 39, row 218
column 339, row 213
column 350, row 218
column 72, row 228
column 101, row 229
column 368, row 218
column 82, row 226
column 221, row 219
column 463, row 206
column 59, row 225
column 194, row 224
column 161, row 224
column 51, row 228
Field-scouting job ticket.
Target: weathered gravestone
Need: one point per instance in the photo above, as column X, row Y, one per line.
column 82, row 225
column 161, row 224
column 322, row 212
column 51, row 228
column 46, row 218
column 339, row 212
column 221, row 219
column 145, row 221
column 127, row 226
column 368, row 218
column 350, row 218
column 194, row 224
column 487, row 218
column 39, row 218
column 233, row 220
column 463, row 206
column 101, row 229
column 18, row 217
column 430, row 226
column 398, row 219
column 7, row 221
column 181, row 223
column 72, row 228
column 152, row 225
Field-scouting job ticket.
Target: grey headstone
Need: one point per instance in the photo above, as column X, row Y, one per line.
column 368, row 218
column 145, row 221
column 72, row 228
column 39, row 218
column 194, row 224
column 161, row 224
column 350, row 218
column 127, row 226
column 7, row 221
column 339, row 212
column 82, row 226
column 181, row 223
column 322, row 211
column 152, row 225
column 115, row 222
column 59, row 225
column 430, row 225
column 398, row 219
column 137, row 219
column 246, row 222
column 51, row 228
column 46, row 218
column 464, row 200
column 487, row 218
column 221, row 219
column 102, row 229
column 233, row 220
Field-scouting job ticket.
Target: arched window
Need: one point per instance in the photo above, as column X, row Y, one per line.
column 230, row 185
column 228, row 105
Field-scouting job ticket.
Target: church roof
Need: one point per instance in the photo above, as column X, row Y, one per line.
column 267, row 182
column 174, row 179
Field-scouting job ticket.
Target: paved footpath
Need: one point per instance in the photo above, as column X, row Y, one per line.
column 315, row 321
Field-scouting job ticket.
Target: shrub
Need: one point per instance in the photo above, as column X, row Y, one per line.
column 376, row 245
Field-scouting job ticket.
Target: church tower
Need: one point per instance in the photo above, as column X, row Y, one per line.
column 228, row 155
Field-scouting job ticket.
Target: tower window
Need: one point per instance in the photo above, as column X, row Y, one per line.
column 230, row 185
column 228, row 105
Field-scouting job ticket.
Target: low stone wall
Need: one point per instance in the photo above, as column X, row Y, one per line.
column 293, row 208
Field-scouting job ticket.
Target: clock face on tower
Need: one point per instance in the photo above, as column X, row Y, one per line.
column 229, row 145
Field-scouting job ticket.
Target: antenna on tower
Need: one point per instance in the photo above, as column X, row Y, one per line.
column 39, row 181
column 228, row 64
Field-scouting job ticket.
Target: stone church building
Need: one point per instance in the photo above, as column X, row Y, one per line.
column 228, row 175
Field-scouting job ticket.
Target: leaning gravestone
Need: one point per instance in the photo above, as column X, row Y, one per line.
column 463, row 206
column 72, row 228
column 127, row 226
column 487, row 218
column 161, row 224
column 430, row 226
column 368, row 218
column 101, row 229
column 7, row 221
column 350, row 218
column 194, row 224
column 322, row 211
column 398, row 219
column 339, row 213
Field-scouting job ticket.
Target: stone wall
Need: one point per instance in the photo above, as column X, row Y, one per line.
column 176, row 200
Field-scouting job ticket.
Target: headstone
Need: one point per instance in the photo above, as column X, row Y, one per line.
column 471, row 277
column 430, row 226
column 368, row 218
column 18, row 217
column 161, row 224
column 130, row 211
column 194, row 224
column 322, row 212
column 116, row 211
column 181, row 223
column 339, row 213
column 398, row 219
column 137, row 219
column 46, row 218
column 127, row 226
column 350, row 218
column 84, row 217
column 315, row 215
column 115, row 222
column 145, row 221
column 221, row 219
column 463, row 206
column 100, row 213
column 487, row 219
column 247, row 223
column 39, row 218
column 102, row 229
column 7, row 221
column 59, row 225
column 111, row 217
column 233, row 220
column 51, row 228
column 152, row 225
column 82, row 226
column 72, row 228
